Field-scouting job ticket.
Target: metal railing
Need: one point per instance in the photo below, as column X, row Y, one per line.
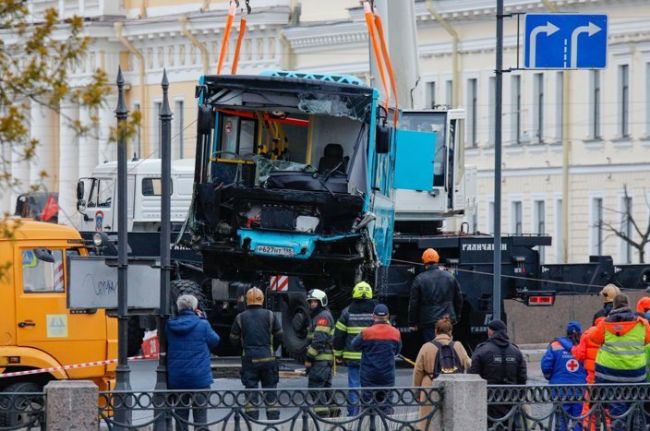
column 281, row 409
column 22, row 411
column 569, row 407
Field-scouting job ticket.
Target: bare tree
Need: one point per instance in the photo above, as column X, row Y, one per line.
column 629, row 229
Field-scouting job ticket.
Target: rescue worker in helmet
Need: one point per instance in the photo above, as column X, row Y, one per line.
column 320, row 353
column 354, row 318
column 608, row 294
column 434, row 294
column 259, row 332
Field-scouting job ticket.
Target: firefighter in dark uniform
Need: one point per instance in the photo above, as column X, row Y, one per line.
column 320, row 352
column 354, row 318
column 259, row 332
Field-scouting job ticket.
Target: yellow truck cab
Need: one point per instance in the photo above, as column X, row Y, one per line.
column 36, row 329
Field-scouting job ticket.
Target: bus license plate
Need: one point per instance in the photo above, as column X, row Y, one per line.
column 275, row 251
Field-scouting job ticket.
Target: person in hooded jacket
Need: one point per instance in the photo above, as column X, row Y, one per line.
column 189, row 341
column 608, row 294
column 434, row 294
column 500, row 362
column 560, row 367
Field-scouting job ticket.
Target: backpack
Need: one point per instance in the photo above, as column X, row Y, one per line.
column 447, row 360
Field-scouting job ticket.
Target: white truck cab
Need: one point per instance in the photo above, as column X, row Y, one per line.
column 97, row 195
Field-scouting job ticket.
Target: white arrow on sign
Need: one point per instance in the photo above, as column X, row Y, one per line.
column 591, row 29
column 549, row 29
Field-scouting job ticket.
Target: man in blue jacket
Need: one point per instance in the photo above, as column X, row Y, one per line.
column 560, row 367
column 189, row 340
column 379, row 343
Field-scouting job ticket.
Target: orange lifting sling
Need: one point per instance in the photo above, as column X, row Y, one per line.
column 375, row 28
column 232, row 9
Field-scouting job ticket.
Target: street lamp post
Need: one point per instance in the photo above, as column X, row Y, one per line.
column 498, row 108
column 163, row 422
column 122, row 411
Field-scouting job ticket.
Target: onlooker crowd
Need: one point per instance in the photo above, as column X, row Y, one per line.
column 615, row 349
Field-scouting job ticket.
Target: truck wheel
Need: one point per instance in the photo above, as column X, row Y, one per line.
column 22, row 405
column 295, row 321
column 136, row 334
column 187, row 287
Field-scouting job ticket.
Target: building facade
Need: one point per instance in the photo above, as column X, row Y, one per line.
column 586, row 131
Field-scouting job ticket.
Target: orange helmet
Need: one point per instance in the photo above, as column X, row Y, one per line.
column 643, row 305
column 254, row 296
column 430, row 256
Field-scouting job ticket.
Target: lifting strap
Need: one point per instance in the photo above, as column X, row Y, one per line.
column 389, row 66
column 370, row 23
column 226, row 35
column 240, row 37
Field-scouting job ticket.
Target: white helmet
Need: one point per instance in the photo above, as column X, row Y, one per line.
column 317, row 295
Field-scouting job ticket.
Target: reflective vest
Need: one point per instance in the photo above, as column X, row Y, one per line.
column 622, row 359
column 353, row 320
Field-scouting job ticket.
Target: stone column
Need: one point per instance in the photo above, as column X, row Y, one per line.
column 88, row 144
column 464, row 405
column 43, row 127
column 19, row 175
column 68, row 163
column 71, row 405
column 107, row 152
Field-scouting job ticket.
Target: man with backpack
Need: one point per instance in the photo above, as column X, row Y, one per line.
column 442, row 355
column 500, row 362
column 560, row 367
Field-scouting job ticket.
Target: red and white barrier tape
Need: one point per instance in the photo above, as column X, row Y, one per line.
column 73, row 366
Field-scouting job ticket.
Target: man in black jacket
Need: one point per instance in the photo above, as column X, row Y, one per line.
column 259, row 333
column 500, row 362
column 434, row 294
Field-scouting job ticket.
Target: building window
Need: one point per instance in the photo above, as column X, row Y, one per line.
column 515, row 94
column 624, row 100
column 559, row 233
column 155, row 145
column 492, row 101
column 538, row 107
column 626, row 229
column 178, row 130
column 490, row 220
column 472, row 119
column 539, row 224
column 137, row 145
column 449, row 92
column 559, row 106
column 597, row 226
column 431, row 94
column 516, row 218
column 594, row 124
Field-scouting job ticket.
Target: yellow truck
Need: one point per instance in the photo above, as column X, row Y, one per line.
column 37, row 331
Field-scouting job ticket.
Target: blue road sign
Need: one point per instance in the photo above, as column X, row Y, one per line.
column 565, row 41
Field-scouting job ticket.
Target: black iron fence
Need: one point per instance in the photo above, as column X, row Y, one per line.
column 22, row 411
column 569, row 407
column 282, row 409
